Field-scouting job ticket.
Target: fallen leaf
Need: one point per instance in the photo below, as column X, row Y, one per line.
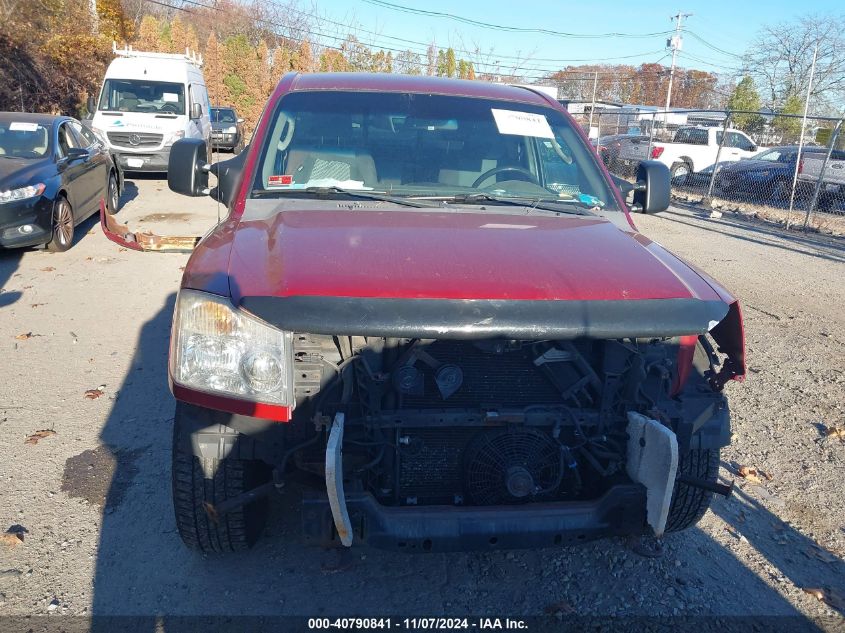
column 93, row 394
column 39, row 435
column 24, row 336
column 35, row 305
column 48, row 269
column 749, row 473
column 818, row 594
column 835, row 431
column 11, row 538
column 831, row 597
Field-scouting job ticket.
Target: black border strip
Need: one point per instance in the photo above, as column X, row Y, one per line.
column 484, row 318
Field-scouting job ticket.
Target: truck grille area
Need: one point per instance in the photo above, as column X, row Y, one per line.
column 488, row 379
column 135, row 139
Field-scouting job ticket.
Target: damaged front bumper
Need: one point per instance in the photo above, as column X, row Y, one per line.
column 621, row 510
column 145, row 241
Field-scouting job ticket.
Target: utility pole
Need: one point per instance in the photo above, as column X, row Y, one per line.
column 675, row 43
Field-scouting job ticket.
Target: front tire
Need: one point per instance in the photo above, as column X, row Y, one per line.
column 688, row 502
column 112, row 195
column 62, row 226
column 237, row 530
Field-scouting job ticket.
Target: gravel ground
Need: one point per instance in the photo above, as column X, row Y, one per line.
column 94, row 498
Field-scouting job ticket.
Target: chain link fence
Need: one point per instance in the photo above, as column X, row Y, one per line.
column 755, row 162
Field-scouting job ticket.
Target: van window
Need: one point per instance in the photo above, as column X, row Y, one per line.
column 135, row 95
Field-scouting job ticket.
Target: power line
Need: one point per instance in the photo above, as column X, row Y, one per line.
column 713, row 46
column 500, row 27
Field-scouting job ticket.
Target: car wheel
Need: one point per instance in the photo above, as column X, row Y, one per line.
column 680, row 172
column 112, row 195
column 238, row 149
column 689, row 503
column 200, row 483
column 62, row 226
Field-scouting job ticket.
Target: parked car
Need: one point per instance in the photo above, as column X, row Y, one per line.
column 692, row 149
column 609, row 148
column 54, row 173
column 227, row 131
column 429, row 306
column 149, row 101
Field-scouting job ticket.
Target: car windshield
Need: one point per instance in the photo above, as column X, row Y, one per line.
column 133, row 95
column 23, row 139
column 423, row 145
column 223, row 115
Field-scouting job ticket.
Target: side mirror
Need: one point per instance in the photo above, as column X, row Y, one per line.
column 651, row 193
column 91, row 104
column 240, row 120
column 74, row 153
column 752, row 148
column 196, row 111
column 187, row 169
column 228, row 173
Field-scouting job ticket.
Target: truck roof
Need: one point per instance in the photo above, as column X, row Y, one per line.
column 384, row 82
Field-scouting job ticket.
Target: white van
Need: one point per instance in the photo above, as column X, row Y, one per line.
column 148, row 102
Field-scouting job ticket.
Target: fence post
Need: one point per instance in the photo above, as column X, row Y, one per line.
column 708, row 199
column 812, row 206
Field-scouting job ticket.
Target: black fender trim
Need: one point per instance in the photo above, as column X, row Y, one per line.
column 487, row 318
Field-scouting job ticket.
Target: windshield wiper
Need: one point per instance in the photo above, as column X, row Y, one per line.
column 329, row 192
column 562, row 205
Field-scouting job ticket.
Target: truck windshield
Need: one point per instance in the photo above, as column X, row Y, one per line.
column 135, row 95
column 223, row 115
column 424, row 145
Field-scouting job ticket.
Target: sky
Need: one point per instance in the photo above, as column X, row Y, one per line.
column 726, row 28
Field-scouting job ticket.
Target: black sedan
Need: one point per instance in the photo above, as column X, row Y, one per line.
column 227, row 130
column 765, row 177
column 53, row 175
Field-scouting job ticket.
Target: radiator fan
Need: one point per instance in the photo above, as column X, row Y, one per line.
column 509, row 466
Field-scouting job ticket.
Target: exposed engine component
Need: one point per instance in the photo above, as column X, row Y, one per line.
column 490, row 422
column 506, row 466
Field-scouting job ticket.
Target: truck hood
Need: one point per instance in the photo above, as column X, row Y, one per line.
column 452, row 255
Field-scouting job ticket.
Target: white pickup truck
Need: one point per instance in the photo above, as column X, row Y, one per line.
column 692, row 150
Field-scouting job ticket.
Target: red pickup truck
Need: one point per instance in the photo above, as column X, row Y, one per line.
column 430, row 313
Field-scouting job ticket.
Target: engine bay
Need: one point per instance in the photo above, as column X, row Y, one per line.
column 482, row 422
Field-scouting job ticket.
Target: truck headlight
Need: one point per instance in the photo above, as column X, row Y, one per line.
column 217, row 348
column 175, row 136
column 231, row 130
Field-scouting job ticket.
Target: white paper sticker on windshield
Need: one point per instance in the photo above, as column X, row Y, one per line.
column 522, row 123
column 23, row 126
column 170, row 96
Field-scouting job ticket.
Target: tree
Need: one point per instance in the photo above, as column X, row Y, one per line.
column 745, row 97
column 790, row 127
column 431, row 58
column 148, row 34
column 451, row 63
column 214, row 73
column 780, row 58
column 408, row 63
column 332, row 61
column 178, row 35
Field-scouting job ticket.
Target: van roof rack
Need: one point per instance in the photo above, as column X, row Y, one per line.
column 192, row 57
